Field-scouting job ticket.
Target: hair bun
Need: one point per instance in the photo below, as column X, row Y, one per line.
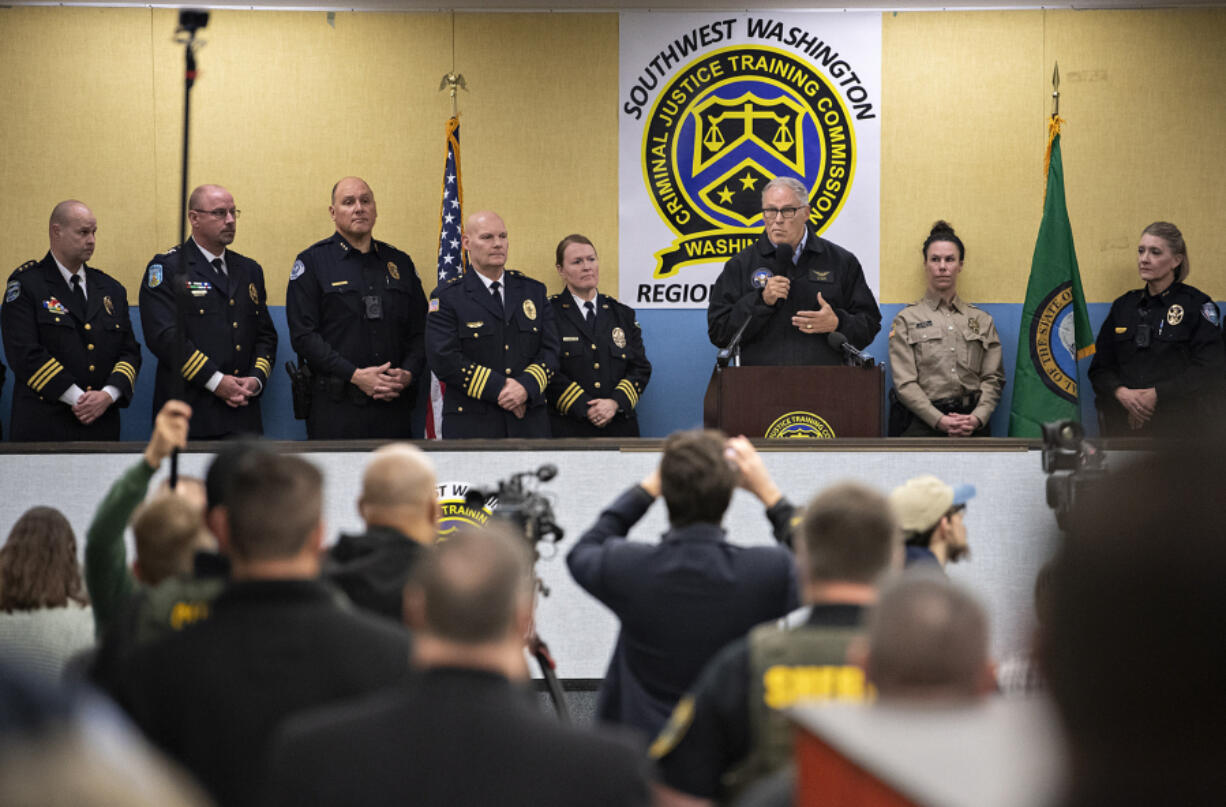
column 942, row 227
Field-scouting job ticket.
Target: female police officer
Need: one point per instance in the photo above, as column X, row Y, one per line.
column 944, row 353
column 1159, row 359
column 603, row 368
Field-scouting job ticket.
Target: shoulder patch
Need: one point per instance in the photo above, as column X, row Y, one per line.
column 297, row 270
column 12, row 291
column 155, row 275
column 1209, row 312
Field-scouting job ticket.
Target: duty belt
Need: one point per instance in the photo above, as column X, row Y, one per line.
column 963, row 405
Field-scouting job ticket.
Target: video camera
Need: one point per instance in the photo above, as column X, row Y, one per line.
column 1071, row 463
column 525, row 508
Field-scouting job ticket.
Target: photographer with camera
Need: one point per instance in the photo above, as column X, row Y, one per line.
column 681, row 600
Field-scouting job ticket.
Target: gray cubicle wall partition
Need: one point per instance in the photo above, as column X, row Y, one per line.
column 1011, row 529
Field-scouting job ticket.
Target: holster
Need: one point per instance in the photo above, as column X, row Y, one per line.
column 900, row 416
column 300, row 388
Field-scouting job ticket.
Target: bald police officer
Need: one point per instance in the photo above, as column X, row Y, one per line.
column 69, row 338
column 357, row 314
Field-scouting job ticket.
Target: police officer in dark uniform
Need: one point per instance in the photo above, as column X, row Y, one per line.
column 356, row 314
column 490, row 337
column 603, row 368
column 230, row 344
column 793, row 288
column 68, row 336
column 1159, row 359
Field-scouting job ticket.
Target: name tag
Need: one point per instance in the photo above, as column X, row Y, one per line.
column 1121, row 330
column 570, row 339
column 925, row 324
column 340, row 283
column 476, row 324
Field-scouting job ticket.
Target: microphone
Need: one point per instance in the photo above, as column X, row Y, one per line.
column 725, row 353
column 854, row 357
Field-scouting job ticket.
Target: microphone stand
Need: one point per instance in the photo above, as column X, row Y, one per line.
column 189, row 22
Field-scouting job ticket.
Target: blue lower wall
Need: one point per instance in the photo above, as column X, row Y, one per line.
column 676, row 344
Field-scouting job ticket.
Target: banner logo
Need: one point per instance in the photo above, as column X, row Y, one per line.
column 727, row 124
column 457, row 512
column 1053, row 347
column 800, row 426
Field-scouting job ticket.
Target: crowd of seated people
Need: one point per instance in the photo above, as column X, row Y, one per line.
column 240, row 661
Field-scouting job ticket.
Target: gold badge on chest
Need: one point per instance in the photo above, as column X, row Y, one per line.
column 109, row 306
column 1174, row 314
column 529, row 309
column 255, row 296
column 393, row 271
column 973, row 324
column 619, row 337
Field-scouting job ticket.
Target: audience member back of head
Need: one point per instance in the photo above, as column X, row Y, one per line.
column 1133, row 646
column 466, row 731
column 277, row 640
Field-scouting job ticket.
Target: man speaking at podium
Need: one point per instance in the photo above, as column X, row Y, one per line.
column 785, row 293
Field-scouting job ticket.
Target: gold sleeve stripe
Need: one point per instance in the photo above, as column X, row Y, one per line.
column 48, row 371
column 538, row 372
column 194, row 364
column 477, row 385
column 626, row 386
column 567, row 399
column 262, row 364
column 127, row 371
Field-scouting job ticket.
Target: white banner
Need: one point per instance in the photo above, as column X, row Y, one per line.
column 713, row 106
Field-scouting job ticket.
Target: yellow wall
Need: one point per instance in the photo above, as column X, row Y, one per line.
column 287, row 103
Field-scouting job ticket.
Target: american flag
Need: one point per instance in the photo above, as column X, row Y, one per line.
column 452, row 261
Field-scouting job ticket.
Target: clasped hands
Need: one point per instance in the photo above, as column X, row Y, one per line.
column 382, row 382
column 1140, row 404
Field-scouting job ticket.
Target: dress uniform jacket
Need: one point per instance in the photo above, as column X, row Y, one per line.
column 452, row 737
column 946, row 352
column 52, row 344
column 229, row 330
column 474, row 348
column 347, row 310
column 678, row 601
column 605, row 361
column 771, row 338
column 1182, row 358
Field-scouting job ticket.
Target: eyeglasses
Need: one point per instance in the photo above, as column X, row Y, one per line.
column 220, row 212
column 788, row 213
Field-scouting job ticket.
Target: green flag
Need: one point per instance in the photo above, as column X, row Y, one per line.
column 1055, row 331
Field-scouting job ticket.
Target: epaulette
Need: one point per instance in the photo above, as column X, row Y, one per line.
column 173, row 249
column 515, row 273
column 557, row 296
column 25, row 266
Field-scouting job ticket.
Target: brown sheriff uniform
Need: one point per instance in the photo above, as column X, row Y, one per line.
column 942, row 356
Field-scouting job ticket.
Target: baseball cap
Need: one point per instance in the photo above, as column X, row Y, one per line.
column 919, row 503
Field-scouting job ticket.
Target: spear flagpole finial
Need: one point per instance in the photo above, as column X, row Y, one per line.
column 1055, row 91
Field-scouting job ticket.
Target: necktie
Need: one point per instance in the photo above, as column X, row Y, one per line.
column 494, row 291
column 590, row 316
column 78, row 292
column 219, row 267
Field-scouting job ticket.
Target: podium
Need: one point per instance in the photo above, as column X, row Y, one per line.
column 796, row 401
